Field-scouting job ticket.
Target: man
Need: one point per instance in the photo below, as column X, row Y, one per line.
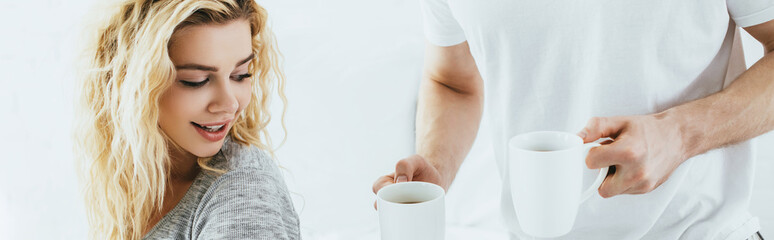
column 664, row 79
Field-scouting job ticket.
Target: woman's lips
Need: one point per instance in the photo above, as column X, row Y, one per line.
column 215, row 135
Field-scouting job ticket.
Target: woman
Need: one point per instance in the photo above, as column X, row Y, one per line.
column 173, row 122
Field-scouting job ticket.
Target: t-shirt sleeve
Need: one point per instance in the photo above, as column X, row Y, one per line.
column 441, row 28
column 750, row 12
column 247, row 204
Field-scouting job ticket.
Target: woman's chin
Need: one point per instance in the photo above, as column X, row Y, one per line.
column 207, row 151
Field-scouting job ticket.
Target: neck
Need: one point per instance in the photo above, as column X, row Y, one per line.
column 183, row 164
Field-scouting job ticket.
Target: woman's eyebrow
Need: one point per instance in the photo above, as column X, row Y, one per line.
column 194, row 66
column 247, row 59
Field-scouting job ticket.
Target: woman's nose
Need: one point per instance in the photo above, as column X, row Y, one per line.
column 224, row 99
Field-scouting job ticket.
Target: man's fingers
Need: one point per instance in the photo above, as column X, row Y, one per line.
column 407, row 168
column 383, row 181
column 604, row 156
column 606, row 142
column 613, row 185
column 405, row 171
column 600, row 127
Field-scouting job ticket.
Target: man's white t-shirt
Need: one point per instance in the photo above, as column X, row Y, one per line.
column 552, row 65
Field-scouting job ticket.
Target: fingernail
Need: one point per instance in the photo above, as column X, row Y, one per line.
column 582, row 134
column 401, row 179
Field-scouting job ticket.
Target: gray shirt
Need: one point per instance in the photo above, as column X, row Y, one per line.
column 249, row 201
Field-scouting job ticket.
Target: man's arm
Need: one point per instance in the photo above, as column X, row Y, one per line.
column 648, row 148
column 745, row 109
column 449, row 111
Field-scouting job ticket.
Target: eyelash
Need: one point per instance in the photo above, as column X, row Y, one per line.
column 238, row 78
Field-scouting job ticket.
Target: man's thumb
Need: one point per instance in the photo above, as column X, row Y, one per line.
column 406, row 168
column 401, row 178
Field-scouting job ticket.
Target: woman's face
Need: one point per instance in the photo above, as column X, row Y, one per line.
column 211, row 88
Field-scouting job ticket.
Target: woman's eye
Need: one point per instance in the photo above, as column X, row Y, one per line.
column 194, row 84
column 239, row 78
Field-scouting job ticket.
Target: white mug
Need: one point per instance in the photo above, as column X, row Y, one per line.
column 545, row 173
column 411, row 211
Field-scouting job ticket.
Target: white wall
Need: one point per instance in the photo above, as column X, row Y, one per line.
column 38, row 191
column 353, row 68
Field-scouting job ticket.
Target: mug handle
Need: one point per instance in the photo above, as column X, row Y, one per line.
column 600, row 178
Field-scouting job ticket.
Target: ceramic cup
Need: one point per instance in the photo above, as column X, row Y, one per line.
column 545, row 173
column 411, row 211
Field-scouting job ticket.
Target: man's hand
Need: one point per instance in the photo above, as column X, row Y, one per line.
column 645, row 151
column 413, row 168
column 648, row 148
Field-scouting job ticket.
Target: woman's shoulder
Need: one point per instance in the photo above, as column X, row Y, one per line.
column 235, row 155
column 245, row 168
column 250, row 197
column 254, row 204
column 246, row 165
